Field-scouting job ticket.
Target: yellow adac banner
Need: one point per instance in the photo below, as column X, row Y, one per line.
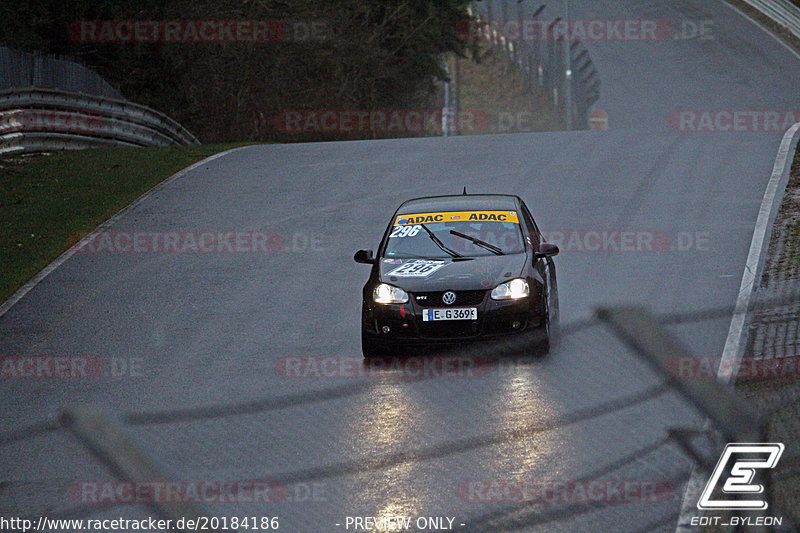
column 457, row 216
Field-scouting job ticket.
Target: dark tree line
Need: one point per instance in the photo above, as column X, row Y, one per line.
column 320, row 54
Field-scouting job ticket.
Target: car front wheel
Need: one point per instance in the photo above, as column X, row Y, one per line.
column 542, row 340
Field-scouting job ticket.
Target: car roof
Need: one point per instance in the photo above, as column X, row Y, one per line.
column 460, row 202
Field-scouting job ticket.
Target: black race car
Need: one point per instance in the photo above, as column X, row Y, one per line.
column 451, row 269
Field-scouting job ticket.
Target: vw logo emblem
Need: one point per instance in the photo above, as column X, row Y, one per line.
column 449, row 297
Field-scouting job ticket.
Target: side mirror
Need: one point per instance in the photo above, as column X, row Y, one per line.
column 364, row 256
column 547, row 250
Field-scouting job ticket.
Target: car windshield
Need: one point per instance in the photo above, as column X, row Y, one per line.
column 493, row 230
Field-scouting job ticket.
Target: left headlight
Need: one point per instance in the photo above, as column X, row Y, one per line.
column 511, row 290
column 389, row 294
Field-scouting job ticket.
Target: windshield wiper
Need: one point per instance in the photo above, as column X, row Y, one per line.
column 439, row 243
column 491, row 247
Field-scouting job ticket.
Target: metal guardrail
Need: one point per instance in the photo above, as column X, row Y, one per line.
column 544, row 63
column 33, row 120
column 23, row 69
column 783, row 12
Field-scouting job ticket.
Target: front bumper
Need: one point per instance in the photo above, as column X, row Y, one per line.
column 403, row 324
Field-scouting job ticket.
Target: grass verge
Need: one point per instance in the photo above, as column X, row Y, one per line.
column 493, row 87
column 780, row 397
column 790, row 214
column 46, row 200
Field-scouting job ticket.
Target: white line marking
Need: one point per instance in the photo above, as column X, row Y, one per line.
column 35, row 280
column 732, row 352
column 694, row 485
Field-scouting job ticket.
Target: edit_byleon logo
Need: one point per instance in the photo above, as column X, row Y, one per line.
column 740, row 461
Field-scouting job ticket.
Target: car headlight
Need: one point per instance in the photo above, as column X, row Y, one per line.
column 511, row 290
column 389, row 294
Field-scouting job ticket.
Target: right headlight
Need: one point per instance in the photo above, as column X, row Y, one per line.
column 511, row 290
column 389, row 294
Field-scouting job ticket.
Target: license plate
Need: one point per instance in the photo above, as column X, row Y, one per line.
column 455, row 313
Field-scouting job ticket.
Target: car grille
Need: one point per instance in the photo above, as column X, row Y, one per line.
column 463, row 298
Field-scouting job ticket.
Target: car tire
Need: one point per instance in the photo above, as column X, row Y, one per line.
column 543, row 345
column 543, row 334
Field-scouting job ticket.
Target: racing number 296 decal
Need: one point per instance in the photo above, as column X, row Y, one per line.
column 420, row 268
column 405, row 231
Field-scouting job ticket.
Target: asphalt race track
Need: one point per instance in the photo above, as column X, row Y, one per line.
column 222, row 328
